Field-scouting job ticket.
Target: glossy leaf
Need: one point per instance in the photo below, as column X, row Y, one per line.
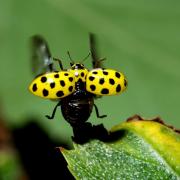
column 140, row 150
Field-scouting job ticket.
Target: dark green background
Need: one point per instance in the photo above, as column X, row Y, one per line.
column 139, row 38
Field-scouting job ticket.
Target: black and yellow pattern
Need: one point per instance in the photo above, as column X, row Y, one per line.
column 79, row 74
column 105, row 82
column 53, row 85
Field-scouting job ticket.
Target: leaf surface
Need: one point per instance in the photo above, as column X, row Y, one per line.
column 139, row 150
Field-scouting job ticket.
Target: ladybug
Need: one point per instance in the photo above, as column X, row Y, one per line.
column 75, row 88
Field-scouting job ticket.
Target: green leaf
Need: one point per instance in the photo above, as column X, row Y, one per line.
column 141, row 150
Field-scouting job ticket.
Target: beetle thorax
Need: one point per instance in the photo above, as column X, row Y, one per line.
column 79, row 71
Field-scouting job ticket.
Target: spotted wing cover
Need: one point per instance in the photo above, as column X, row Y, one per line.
column 53, row 85
column 41, row 58
column 105, row 82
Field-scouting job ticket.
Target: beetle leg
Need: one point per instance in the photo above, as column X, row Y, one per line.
column 54, row 111
column 97, row 113
column 51, row 67
column 60, row 63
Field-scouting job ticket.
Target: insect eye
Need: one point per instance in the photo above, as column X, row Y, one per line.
column 82, row 66
column 71, row 64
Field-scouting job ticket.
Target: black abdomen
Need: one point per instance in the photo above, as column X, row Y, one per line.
column 77, row 107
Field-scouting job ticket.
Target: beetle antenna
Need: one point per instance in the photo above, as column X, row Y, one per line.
column 86, row 57
column 70, row 57
column 102, row 59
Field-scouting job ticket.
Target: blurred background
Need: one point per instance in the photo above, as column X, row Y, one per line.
column 139, row 38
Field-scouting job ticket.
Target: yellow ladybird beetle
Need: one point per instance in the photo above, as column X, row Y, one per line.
column 74, row 88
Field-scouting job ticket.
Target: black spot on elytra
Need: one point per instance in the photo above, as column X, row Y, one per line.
column 92, row 87
column 34, row 88
column 70, row 88
column 118, row 88
column 59, row 94
column 111, row 81
column 62, row 83
column 45, row 92
column 70, row 79
column 82, row 74
column 101, row 81
column 66, row 74
column 117, row 75
column 105, row 91
column 91, row 78
column 105, row 72
column 125, row 82
column 94, row 72
column 43, row 79
column 52, row 85
column 56, row 75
